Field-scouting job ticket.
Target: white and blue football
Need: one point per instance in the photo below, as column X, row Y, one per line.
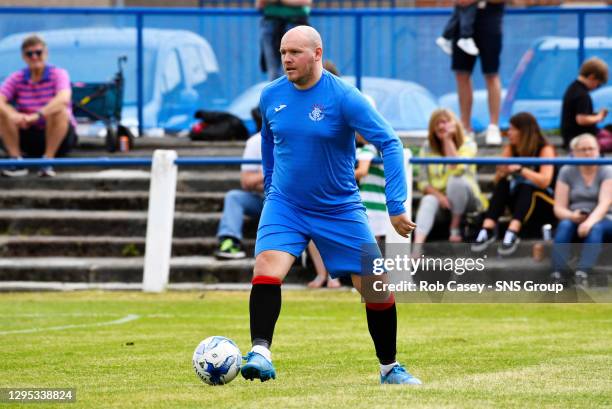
column 217, row 360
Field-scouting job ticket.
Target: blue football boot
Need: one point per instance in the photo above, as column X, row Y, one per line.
column 257, row 367
column 398, row 375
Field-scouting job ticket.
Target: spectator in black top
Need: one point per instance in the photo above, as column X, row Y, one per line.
column 525, row 190
column 577, row 116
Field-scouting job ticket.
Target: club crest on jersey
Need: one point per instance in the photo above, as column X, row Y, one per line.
column 317, row 113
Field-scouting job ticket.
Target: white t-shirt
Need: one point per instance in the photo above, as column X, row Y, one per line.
column 252, row 150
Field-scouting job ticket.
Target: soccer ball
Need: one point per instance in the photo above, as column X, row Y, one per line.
column 217, row 360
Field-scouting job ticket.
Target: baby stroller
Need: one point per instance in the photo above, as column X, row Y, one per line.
column 103, row 102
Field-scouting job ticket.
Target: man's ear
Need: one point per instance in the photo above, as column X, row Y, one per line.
column 318, row 53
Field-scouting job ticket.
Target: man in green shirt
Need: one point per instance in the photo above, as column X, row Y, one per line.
column 279, row 16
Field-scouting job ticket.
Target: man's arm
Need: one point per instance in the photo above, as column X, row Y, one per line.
column 363, row 118
column 593, row 119
column 9, row 111
column 267, row 149
column 252, row 181
column 7, row 93
column 363, row 167
column 59, row 102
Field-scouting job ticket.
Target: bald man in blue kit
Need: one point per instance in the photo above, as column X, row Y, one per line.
column 308, row 153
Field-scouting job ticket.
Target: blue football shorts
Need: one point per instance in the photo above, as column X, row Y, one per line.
column 343, row 238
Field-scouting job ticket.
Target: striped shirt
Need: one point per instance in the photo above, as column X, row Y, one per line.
column 29, row 97
column 372, row 190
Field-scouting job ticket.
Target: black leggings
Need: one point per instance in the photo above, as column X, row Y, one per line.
column 527, row 203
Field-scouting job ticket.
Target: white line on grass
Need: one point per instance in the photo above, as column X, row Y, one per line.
column 61, row 314
column 127, row 318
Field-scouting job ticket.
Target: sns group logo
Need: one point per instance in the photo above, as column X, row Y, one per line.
column 317, row 113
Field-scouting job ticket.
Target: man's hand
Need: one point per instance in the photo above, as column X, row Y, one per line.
column 21, row 120
column 402, row 224
column 32, row 118
column 602, row 114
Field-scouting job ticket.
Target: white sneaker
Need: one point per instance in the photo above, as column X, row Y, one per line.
column 493, row 135
column 468, row 45
column 445, row 45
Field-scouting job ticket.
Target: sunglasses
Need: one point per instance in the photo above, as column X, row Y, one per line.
column 584, row 150
column 33, row 53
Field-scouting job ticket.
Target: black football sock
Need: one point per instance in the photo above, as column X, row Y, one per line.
column 264, row 308
column 382, row 323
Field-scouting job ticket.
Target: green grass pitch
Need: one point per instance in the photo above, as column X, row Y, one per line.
column 468, row 355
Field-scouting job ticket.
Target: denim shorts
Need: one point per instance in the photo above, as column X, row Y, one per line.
column 488, row 38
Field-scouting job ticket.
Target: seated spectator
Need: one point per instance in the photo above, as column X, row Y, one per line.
column 238, row 202
column 577, row 115
column 447, row 188
column 525, row 190
column 583, row 204
column 40, row 123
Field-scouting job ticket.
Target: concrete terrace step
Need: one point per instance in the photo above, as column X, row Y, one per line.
column 103, row 269
column 201, row 180
column 123, row 179
column 209, row 270
column 199, row 202
column 91, row 146
column 106, row 223
column 108, row 269
column 103, row 200
column 103, row 246
column 166, row 142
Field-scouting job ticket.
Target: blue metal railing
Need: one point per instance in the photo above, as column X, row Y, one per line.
column 316, row 3
column 207, row 161
column 359, row 38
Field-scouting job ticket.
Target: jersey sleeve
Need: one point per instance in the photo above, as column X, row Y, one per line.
column 564, row 175
column 267, row 147
column 62, row 80
column 363, row 118
column 9, row 86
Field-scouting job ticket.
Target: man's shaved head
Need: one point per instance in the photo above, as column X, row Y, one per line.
column 307, row 33
column 301, row 52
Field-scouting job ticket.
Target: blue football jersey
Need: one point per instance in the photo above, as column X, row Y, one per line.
column 308, row 145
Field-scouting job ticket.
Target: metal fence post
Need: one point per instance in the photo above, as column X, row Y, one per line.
column 581, row 35
column 358, row 50
column 160, row 220
column 139, row 72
